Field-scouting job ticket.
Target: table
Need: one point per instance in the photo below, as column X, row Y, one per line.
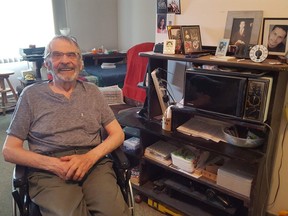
column 38, row 61
column 97, row 56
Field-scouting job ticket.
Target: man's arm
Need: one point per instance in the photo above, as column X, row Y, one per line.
column 69, row 167
column 80, row 164
column 14, row 152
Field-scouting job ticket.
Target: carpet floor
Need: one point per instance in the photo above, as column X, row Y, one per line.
column 6, row 169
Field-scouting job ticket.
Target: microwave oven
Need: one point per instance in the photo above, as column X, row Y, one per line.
column 238, row 95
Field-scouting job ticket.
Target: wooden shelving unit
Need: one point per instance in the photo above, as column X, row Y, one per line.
column 178, row 194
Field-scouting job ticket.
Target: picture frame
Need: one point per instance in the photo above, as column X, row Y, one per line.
column 173, row 6
column 222, row 47
column 174, row 32
column 234, row 30
column 162, row 6
column 274, row 36
column 161, row 23
column 191, row 37
column 169, row 46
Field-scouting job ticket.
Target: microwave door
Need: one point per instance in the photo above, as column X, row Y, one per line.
column 218, row 94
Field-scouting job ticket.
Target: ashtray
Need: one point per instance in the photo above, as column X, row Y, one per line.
column 243, row 137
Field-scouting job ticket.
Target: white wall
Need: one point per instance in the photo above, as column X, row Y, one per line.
column 93, row 23
column 115, row 24
column 136, row 22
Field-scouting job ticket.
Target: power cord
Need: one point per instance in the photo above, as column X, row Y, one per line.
column 280, row 166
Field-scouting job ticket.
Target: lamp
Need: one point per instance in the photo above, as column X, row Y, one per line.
column 65, row 31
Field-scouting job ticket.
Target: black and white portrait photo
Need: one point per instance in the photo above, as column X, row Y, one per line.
column 162, row 6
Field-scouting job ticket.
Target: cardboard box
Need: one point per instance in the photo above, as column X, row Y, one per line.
column 236, row 177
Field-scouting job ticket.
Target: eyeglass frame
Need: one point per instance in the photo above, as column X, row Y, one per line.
column 77, row 55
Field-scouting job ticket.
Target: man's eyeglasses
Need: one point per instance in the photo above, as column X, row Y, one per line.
column 55, row 55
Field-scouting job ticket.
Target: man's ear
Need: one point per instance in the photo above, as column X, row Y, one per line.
column 48, row 65
column 82, row 65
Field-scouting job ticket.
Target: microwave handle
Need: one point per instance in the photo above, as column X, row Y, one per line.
column 241, row 97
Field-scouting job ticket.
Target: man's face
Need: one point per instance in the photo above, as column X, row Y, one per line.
column 64, row 61
column 276, row 37
column 242, row 24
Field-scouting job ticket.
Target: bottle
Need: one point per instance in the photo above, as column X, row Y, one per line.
column 283, row 213
column 166, row 119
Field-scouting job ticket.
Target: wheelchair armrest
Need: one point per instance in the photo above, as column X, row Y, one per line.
column 19, row 176
column 20, row 191
column 120, row 159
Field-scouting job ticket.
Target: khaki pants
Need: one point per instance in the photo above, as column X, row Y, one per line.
column 98, row 195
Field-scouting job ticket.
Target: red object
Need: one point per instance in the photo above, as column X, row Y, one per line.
column 136, row 69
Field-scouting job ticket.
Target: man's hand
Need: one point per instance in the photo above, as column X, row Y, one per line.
column 78, row 166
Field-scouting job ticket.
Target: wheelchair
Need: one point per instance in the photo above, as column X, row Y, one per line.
column 23, row 206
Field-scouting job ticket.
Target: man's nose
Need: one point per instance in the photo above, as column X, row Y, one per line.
column 65, row 58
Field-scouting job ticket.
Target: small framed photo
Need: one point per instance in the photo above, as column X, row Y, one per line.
column 161, row 23
column 162, row 6
column 173, row 6
column 174, row 32
column 191, row 39
column 274, row 35
column 169, row 46
column 222, row 47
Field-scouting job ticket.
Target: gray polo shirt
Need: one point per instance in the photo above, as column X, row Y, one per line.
column 51, row 122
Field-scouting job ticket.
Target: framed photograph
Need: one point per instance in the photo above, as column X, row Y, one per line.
column 274, row 35
column 169, row 46
column 222, row 47
column 174, row 32
column 243, row 27
column 173, row 6
column 162, row 6
column 161, row 23
column 191, row 37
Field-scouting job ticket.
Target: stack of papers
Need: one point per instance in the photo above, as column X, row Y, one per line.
column 113, row 94
column 160, row 151
column 205, row 128
column 223, row 58
column 108, row 65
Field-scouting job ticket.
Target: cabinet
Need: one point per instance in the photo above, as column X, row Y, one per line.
column 186, row 193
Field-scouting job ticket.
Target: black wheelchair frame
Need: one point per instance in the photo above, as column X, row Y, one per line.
column 23, row 206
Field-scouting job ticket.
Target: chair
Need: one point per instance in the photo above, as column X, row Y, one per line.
column 136, row 70
column 3, row 90
column 23, row 206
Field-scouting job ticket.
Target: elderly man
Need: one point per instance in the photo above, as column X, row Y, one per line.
column 61, row 120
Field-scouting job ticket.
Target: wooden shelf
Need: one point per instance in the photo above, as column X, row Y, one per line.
column 203, row 181
column 131, row 118
column 184, row 207
column 148, row 121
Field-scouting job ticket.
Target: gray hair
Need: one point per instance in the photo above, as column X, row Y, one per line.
column 69, row 39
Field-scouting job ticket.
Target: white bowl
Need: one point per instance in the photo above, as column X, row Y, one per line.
column 243, row 142
column 65, row 31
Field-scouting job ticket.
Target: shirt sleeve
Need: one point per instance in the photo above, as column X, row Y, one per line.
column 21, row 118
